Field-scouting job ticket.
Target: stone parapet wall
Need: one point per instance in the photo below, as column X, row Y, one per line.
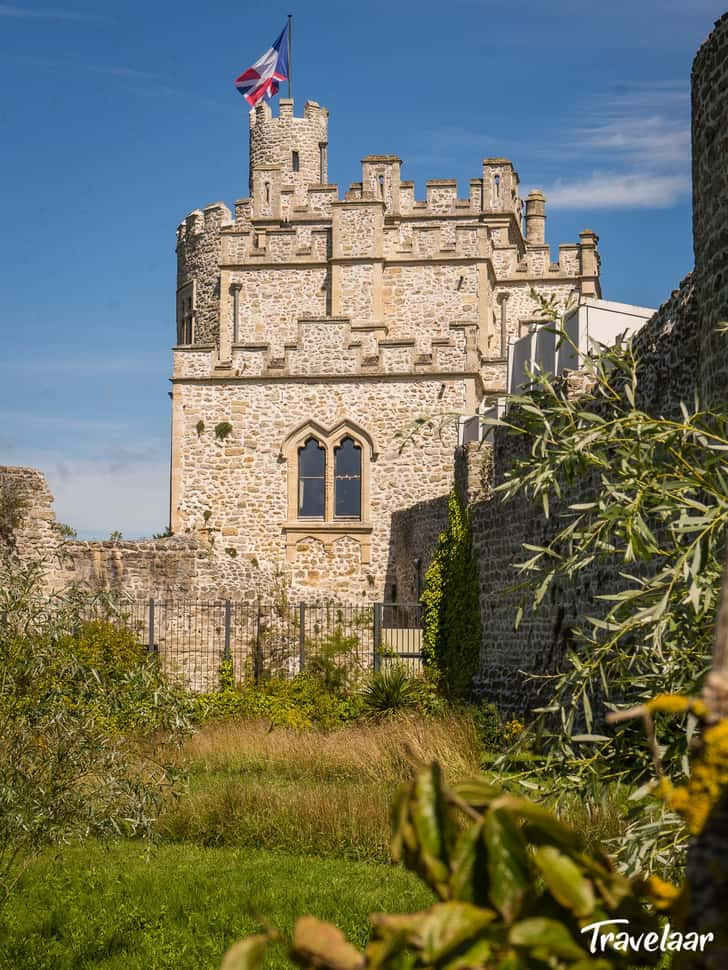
column 378, row 256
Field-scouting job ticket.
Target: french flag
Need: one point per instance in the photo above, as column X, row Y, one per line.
column 262, row 79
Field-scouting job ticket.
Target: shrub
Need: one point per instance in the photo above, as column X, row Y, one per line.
column 389, row 690
column 74, row 734
column 301, row 702
column 333, row 662
column 108, row 649
column 490, row 726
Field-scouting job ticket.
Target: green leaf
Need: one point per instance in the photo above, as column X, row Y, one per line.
column 477, row 792
column 546, row 938
column 428, row 816
column 468, row 865
column 449, row 926
column 508, row 870
column 565, row 880
column 541, row 825
column 477, row 955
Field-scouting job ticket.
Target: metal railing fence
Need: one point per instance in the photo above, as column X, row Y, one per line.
column 204, row 644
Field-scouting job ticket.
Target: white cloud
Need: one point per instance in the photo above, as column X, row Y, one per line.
column 637, row 143
column 655, row 141
column 96, row 498
column 614, row 190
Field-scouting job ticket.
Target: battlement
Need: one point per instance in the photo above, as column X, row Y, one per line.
column 296, row 249
column 334, row 347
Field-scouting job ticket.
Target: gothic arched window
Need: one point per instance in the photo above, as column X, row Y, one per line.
column 347, row 479
column 329, row 471
column 311, row 480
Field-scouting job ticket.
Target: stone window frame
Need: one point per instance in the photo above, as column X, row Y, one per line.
column 186, row 307
column 331, row 527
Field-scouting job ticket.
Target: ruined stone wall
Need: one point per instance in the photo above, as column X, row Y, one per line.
column 28, row 526
column 179, row 566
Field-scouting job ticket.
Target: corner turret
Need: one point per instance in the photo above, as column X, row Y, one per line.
column 286, row 151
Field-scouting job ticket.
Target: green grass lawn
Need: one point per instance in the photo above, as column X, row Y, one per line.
column 271, row 824
column 181, row 906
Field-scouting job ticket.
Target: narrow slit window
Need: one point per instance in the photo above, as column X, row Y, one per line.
column 184, row 327
column 267, row 193
column 311, row 480
column 295, row 162
column 347, row 479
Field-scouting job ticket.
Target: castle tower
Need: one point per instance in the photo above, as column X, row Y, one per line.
column 286, row 153
column 314, row 328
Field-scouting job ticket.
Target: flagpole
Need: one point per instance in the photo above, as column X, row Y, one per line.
column 290, row 56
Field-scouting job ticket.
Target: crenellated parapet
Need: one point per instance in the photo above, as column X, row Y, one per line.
column 333, row 347
column 377, row 257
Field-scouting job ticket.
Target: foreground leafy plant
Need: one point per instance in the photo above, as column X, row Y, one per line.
column 514, row 891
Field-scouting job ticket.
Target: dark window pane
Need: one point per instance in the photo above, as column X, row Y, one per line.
column 348, row 458
column 347, row 479
column 311, row 497
column 311, row 460
column 311, row 480
column 348, row 497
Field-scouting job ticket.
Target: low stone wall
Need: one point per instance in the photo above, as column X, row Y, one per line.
column 174, row 566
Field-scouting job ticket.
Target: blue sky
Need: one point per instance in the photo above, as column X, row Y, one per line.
column 118, row 119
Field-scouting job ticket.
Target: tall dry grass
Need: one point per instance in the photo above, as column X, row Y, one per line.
column 377, row 752
column 309, row 792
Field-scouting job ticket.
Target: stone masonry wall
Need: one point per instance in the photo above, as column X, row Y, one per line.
column 245, row 482
column 710, row 205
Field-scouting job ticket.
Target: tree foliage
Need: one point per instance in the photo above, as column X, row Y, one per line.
column 642, row 501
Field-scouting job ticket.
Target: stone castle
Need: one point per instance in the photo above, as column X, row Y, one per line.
column 312, row 331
